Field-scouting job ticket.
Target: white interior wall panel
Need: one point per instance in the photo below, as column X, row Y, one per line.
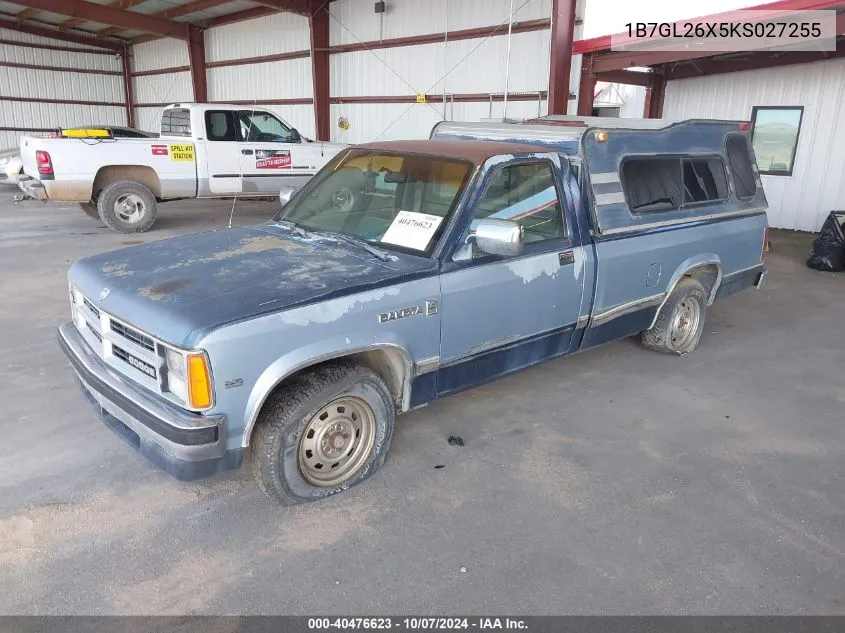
column 816, row 187
column 355, row 20
column 61, row 59
column 34, row 83
column 469, row 66
column 277, row 33
column 148, row 119
column 288, row 79
column 164, row 88
column 391, row 121
column 163, row 53
column 26, row 38
column 61, row 85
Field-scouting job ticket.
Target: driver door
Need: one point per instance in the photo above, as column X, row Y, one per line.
column 271, row 155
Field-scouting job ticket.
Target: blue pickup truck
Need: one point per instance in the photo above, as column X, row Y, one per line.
column 404, row 272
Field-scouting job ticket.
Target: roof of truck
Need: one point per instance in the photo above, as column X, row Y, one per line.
column 474, row 151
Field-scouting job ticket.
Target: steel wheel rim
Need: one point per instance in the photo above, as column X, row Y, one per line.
column 337, row 441
column 130, row 208
column 685, row 323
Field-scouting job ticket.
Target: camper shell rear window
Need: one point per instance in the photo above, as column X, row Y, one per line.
column 654, row 184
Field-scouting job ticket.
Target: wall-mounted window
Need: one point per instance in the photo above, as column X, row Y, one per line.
column 774, row 136
column 667, row 184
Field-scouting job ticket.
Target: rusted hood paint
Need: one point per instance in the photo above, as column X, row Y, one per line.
column 178, row 289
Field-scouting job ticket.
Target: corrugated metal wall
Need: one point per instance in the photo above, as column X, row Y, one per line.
column 461, row 66
column 19, row 85
column 268, row 81
column 154, row 90
column 803, row 200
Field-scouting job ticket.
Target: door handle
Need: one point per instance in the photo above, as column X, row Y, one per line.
column 566, row 257
column 246, row 152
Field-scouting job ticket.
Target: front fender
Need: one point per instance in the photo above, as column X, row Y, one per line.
column 318, row 352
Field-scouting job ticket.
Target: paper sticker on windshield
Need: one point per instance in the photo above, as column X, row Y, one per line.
column 182, row 151
column 272, row 159
column 412, row 230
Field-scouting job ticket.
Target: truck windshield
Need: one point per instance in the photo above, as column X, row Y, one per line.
column 399, row 201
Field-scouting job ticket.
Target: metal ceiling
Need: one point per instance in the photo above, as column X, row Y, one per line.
column 115, row 21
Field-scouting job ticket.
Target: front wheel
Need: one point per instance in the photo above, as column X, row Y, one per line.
column 127, row 206
column 321, row 433
column 680, row 323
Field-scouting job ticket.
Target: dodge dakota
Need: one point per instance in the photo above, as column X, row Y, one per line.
column 403, row 272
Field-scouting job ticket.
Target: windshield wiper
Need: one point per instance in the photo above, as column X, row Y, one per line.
column 293, row 227
column 360, row 242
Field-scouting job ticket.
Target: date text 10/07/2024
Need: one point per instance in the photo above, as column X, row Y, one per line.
column 416, row 624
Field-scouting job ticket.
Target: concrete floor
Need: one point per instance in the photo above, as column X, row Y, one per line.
column 617, row 481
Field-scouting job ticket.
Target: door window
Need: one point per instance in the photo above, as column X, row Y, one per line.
column 262, row 127
column 176, row 122
column 220, row 125
column 526, row 194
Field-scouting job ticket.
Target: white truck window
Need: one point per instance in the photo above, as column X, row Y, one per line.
column 263, row 127
column 176, row 122
column 220, row 125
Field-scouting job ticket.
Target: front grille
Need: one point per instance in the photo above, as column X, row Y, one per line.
column 133, row 335
column 91, row 307
column 132, row 361
column 95, row 332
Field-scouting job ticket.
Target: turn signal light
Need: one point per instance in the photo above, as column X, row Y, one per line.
column 199, row 382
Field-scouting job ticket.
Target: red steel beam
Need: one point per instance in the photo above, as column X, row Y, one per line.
column 586, row 87
column 62, row 69
column 754, row 61
column 196, row 52
column 127, row 86
column 188, row 8
column 26, row 14
column 49, row 47
column 655, row 93
column 93, row 12
column 629, row 77
column 58, row 35
column 302, row 7
column 319, row 26
column 563, row 32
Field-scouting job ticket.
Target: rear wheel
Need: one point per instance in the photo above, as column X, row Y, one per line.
column 127, row 206
column 90, row 209
column 680, row 323
column 321, row 433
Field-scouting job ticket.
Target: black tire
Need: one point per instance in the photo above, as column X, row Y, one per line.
column 666, row 336
column 90, row 209
column 274, row 451
column 146, row 212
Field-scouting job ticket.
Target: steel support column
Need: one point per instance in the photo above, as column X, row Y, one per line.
column 319, row 23
column 127, row 86
column 196, row 48
column 563, row 33
column 587, row 87
column 653, row 107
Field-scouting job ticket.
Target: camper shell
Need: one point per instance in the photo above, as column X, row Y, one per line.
column 609, row 156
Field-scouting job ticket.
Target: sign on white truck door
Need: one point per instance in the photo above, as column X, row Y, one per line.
column 271, row 154
column 224, row 161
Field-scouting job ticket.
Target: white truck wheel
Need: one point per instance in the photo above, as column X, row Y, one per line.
column 127, row 206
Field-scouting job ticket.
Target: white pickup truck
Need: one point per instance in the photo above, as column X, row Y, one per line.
column 203, row 151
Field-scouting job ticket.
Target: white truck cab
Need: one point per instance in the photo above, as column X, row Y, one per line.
column 204, row 150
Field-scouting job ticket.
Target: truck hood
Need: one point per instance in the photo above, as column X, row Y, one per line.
column 179, row 289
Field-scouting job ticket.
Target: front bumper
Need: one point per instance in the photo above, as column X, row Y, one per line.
column 186, row 445
column 33, row 188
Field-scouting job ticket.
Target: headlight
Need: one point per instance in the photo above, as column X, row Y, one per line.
column 189, row 378
column 4, row 160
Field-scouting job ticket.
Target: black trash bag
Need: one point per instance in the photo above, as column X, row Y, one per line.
column 829, row 247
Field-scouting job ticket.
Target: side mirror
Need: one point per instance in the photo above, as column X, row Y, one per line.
column 295, row 136
column 499, row 237
column 286, row 193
